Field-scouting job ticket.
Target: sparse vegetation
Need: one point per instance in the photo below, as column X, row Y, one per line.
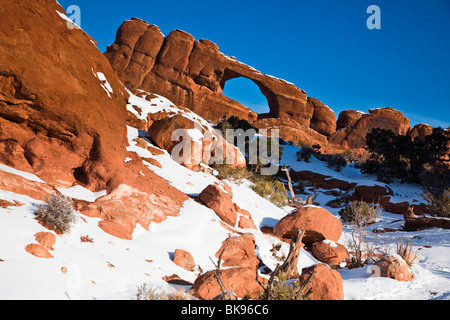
column 405, row 250
column 272, row 190
column 233, row 173
column 149, row 292
column 401, row 157
column 305, row 154
column 337, row 162
column 438, row 205
column 359, row 213
column 283, row 289
column 57, row 213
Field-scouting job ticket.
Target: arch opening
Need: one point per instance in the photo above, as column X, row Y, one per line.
column 247, row 93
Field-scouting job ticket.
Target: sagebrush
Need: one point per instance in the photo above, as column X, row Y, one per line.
column 57, row 213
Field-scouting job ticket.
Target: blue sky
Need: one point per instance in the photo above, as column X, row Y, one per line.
column 322, row 46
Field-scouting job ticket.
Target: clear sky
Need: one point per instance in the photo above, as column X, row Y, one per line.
column 323, row 46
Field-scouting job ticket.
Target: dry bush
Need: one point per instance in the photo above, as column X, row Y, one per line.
column 438, row 205
column 360, row 212
column 272, row 190
column 283, row 290
column 405, row 250
column 232, row 173
column 149, row 292
column 57, row 213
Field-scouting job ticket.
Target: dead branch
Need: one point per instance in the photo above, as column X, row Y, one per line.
column 294, row 201
column 218, row 272
column 290, row 265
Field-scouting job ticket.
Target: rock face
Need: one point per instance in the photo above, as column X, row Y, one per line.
column 348, row 118
column 318, row 223
column 354, row 136
column 63, row 118
column 193, row 74
column 420, row 131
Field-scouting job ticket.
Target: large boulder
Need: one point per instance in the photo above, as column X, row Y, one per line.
column 318, row 223
column 330, row 252
column 326, row 283
column 220, row 201
column 348, row 118
column 239, row 251
column 203, row 143
column 241, row 281
column 393, row 267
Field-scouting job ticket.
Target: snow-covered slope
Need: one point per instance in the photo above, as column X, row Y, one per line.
column 106, row 267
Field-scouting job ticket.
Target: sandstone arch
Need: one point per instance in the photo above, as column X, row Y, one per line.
column 193, row 73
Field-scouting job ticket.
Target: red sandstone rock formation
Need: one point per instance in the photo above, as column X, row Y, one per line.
column 318, row 223
column 193, row 74
column 326, row 283
column 348, row 118
column 354, row 136
column 63, row 117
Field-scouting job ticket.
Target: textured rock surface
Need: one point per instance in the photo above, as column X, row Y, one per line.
column 355, row 136
column 241, row 281
column 318, row 223
column 395, row 268
column 348, row 118
column 330, row 253
column 184, row 259
column 326, row 283
column 63, row 118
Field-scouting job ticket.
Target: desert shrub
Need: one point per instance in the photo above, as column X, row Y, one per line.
column 337, row 162
column 57, row 213
column 405, row 250
column 271, row 189
column 283, row 290
column 359, row 212
column 149, row 292
column 404, row 158
column 232, row 173
column 305, row 154
column 436, row 181
column 438, row 205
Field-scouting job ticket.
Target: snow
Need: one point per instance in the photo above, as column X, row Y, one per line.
column 23, row 174
column 112, row 268
column 81, row 193
column 70, row 24
column 103, row 82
